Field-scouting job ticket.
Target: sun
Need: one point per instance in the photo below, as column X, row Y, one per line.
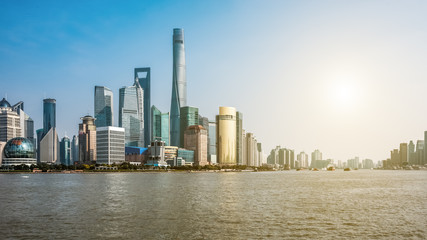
column 346, row 94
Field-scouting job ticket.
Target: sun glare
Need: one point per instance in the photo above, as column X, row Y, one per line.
column 345, row 93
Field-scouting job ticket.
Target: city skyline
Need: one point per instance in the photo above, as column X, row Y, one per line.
column 346, row 108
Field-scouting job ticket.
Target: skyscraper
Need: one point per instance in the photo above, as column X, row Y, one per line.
column 74, row 150
column 87, row 140
column 212, row 143
column 420, row 152
column 403, row 153
column 103, row 107
column 144, row 78
column 226, row 136
column 160, row 125
column 424, row 160
column 239, row 140
column 179, row 85
column 411, row 153
column 65, row 151
column 131, row 114
column 189, row 117
column 10, row 122
column 49, row 114
column 49, row 139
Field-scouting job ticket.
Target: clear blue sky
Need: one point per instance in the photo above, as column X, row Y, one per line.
column 346, row 77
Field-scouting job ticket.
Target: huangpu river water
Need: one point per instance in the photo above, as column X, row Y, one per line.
column 363, row 204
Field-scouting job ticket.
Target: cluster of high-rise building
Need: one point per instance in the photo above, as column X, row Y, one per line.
column 407, row 155
column 144, row 134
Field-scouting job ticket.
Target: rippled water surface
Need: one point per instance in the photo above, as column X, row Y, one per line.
column 278, row 205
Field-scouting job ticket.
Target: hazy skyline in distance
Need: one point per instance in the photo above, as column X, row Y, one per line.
column 345, row 77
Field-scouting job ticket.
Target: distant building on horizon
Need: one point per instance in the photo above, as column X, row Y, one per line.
column 75, row 150
column 403, row 159
column 87, row 140
column 160, row 125
column 131, row 114
column 239, row 140
column 65, row 151
column 49, row 138
column 179, row 86
column 302, row 159
column 420, row 152
column 103, row 107
column 196, row 138
column 143, row 75
column 212, row 143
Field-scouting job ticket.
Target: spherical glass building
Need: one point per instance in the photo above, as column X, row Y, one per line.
column 18, row 151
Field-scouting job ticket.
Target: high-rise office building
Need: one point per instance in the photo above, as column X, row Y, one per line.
column 49, row 139
column 226, row 136
column 302, row 158
column 65, row 151
column 403, row 153
column 189, row 117
column 49, row 114
column 179, row 85
column 27, row 124
column 10, row 122
column 420, row 152
column 411, row 153
column 395, row 157
column 39, row 134
column 103, row 107
column 196, row 139
column 239, row 140
column 74, row 149
column 110, row 145
column 160, row 125
column 144, row 79
column 212, row 143
column 87, row 140
column 260, row 154
column 131, row 114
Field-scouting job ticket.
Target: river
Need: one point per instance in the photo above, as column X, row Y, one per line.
column 363, row 204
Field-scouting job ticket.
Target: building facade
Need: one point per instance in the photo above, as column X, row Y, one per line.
column 144, row 79
column 189, row 117
column 196, row 139
column 65, row 151
column 103, row 107
column 179, row 85
column 10, row 122
column 110, row 145
column 49, row 138
column 160, row 125
column 226, row 136
column 87, row 140
column 239, row 140
column 131, row 114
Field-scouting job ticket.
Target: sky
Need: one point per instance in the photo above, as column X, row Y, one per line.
column 346, row 77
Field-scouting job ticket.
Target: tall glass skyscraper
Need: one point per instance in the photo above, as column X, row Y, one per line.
column 144, row 78
column 189, row 117
column 131, row 114
column 49, row 114
column 179, row 85
column 160, row 125
column 239, row 138
column 65, row 151
column 103, row 106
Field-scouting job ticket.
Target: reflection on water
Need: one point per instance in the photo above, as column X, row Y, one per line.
column 357, row 204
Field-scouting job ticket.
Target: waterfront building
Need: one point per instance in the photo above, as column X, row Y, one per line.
column 87, row 140
column 411, row 153
column 212, row 143
column 403, row 154
column 260, row 155
column 144, row 79
column 65, row 151
column 196, row 139
column 18, row 151
column 26, row 123
column 189, row 117
column 179, row 85
column 185, row 155
column 160, row 125
column 49, row 138
column 49, row 114
column 171, row 154
column 136, row 155
column 39, row 134
column 239, row 140
column 250, row 149
column 110, row 145
column 10, row 122
column 103, row 107
column 156, row 155
column 395, row 157
column 367, row 164
column 2, row 144
column 302, row 158
column 75, row 150
column 353, row 163
column 273, row 158
column 226, row 136
column 316, row 159
column 420, row 152
column 424, row 159
column 131, row 114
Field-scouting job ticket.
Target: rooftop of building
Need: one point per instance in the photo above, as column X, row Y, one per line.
column 4, row 103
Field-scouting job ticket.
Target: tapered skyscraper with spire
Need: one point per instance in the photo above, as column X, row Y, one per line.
column 179, row 85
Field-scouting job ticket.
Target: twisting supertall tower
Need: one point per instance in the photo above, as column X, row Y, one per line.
column 179, row 85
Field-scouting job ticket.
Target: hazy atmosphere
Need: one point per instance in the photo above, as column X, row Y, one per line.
column 345, row 77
